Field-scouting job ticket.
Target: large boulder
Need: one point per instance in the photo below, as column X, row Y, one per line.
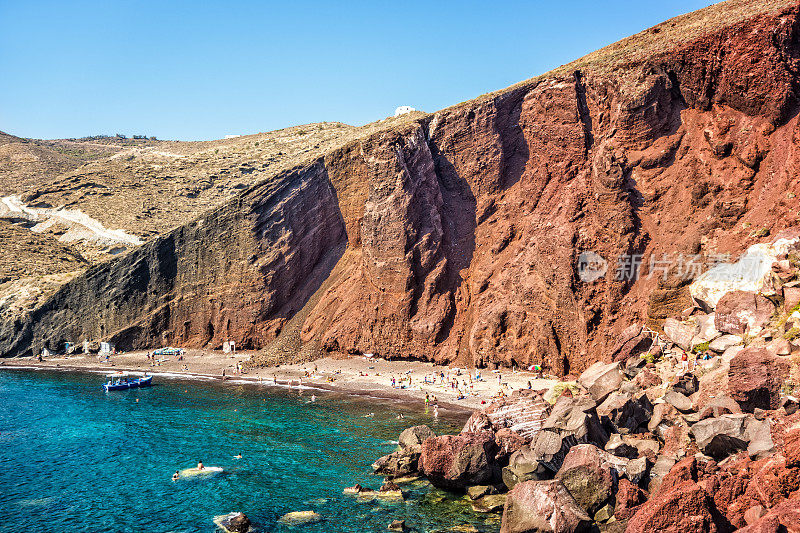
column 457, row 461
column 523, row 465
column 759, row 438
column 601, row 379
column 718, row 406
column 687, row 508
column 680, row 333
column 395, row 464
column 542, row 506
column 722, row 436
column 411, row 439
column 740, row 312
column 590, row 476
column 755, row 378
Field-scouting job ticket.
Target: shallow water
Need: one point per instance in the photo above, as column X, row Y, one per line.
column 76, row 458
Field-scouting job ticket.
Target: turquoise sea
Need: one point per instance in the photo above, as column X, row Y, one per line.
column 75, row 458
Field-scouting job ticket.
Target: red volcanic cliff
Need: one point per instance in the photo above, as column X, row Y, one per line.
column 456, row 236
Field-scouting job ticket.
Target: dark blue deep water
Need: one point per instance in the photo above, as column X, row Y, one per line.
column 75, row 458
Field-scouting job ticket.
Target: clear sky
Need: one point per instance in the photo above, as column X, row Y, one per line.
column 200, row 70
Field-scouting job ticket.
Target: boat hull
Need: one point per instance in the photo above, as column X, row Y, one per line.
column 132, row 384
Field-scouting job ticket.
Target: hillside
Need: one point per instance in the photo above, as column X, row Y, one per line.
column 454, row 236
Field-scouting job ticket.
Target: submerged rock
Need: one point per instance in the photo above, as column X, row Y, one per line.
column 296, row 518
column 233, row 523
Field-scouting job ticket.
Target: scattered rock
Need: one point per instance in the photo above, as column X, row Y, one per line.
column 722, row 436
column 706, row 331
column 720, row 344
column 662, row 412
column 588, row 476
column 753, row 514
column 601, row 379
column 478, row 491
column 628, row 499
column 680, row 333
column 411, row 439
column 489, row 504
column 759, row 436
column 543, row 506
column 618, row 445
column 678, row 401
column 397, row 525
column 623, row 410
column 718, row 406
column 791, row 298
column 687, row 384
column 784, row 517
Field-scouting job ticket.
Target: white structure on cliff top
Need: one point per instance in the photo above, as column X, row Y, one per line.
column 403, row 109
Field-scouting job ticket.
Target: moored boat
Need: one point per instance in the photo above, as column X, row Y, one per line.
column 125, row 381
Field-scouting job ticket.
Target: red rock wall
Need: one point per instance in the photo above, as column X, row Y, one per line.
column 463, row 229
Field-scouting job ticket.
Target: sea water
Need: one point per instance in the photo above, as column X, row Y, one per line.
column 76, row 458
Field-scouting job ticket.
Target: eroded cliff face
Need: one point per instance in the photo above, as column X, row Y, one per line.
column 456, row 236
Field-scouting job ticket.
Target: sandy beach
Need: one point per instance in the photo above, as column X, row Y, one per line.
column 409, row 381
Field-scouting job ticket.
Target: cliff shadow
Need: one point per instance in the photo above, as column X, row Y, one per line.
column 459, row 210
column 507, row 127
column 306, row 209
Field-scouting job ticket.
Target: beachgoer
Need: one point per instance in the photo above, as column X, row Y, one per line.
column 176, row 476
column 200, row 465
column 313, row 398
column 529, row 385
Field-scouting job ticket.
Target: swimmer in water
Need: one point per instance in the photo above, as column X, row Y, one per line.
column 313, row 398
column 369, row 415
column 238, row 456
column 200, row 465
column 176, row 476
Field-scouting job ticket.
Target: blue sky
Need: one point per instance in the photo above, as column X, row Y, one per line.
column 201, row 70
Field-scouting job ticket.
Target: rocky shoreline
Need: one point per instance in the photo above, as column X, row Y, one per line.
column 696, row 430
